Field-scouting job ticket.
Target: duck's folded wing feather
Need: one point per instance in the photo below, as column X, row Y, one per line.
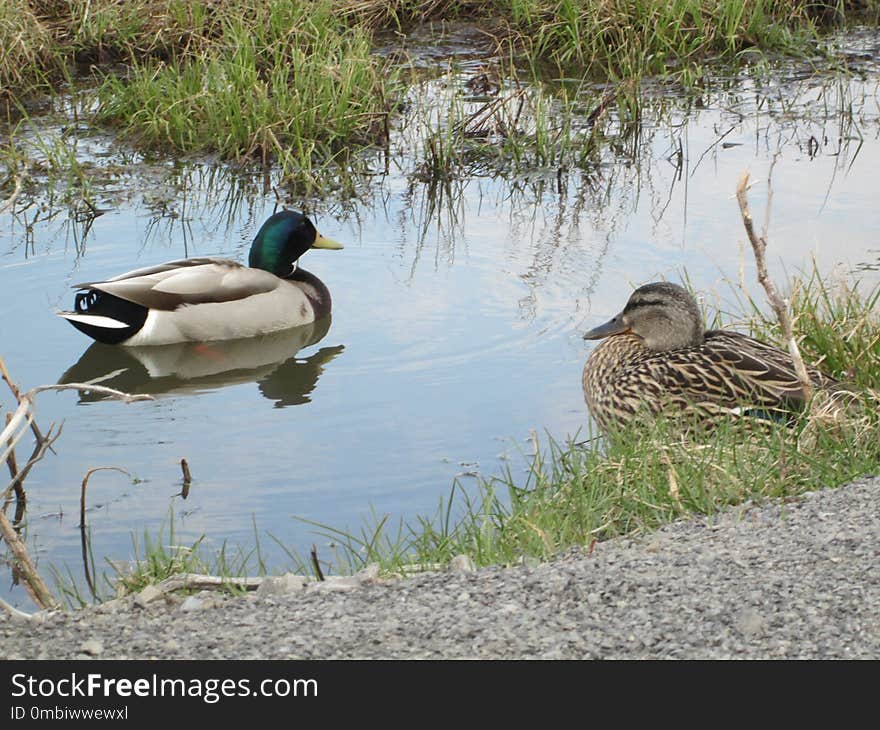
column 762, row 370
column 189, row 281
column 168, row 266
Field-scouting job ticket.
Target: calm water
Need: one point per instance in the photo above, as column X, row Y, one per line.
column 456, row 326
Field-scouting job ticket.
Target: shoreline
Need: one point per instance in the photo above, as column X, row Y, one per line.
column 795, row 580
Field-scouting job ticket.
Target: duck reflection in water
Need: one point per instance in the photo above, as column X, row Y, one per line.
column 197, row 367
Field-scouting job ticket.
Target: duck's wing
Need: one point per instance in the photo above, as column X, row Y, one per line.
column 756, row 370
column 187, row 281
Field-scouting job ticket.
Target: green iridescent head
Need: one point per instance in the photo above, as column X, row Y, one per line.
column 282, row 239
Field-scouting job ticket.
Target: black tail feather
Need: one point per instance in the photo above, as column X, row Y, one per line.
column 93, row 301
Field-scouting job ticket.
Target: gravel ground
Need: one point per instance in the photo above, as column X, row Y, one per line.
column 799, row 580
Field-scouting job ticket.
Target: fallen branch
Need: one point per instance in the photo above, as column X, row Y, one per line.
column 197, row 581
column 759, row 246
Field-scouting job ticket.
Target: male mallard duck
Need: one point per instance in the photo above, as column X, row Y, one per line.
column 201, row 299
column 657, row 358
column 272, row 362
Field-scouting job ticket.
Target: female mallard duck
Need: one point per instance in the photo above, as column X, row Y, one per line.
column 657, row 358
column 201, row 299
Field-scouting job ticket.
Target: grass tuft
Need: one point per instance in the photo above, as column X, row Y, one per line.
column 282, row 82
column 27, row 49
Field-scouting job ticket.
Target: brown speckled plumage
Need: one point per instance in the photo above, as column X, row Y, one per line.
column 657, row 359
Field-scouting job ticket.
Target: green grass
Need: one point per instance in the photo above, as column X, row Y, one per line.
column 630, row 38
column 284, row 83
column 573, row 494
column 525, row 126
column 34, row 161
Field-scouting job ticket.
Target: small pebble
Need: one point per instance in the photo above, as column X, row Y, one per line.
column 192, row 603
column 92, row 647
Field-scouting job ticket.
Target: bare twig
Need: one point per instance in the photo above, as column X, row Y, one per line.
column 40, row 449
column 112, row 392
column 759, row 246
column 41, row 593
column 10, row 460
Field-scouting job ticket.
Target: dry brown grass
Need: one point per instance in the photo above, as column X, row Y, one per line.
column 27, row 49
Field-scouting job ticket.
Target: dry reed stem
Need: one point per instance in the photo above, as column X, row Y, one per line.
column 759, row 247
column 85, row 482
column 319, row 574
